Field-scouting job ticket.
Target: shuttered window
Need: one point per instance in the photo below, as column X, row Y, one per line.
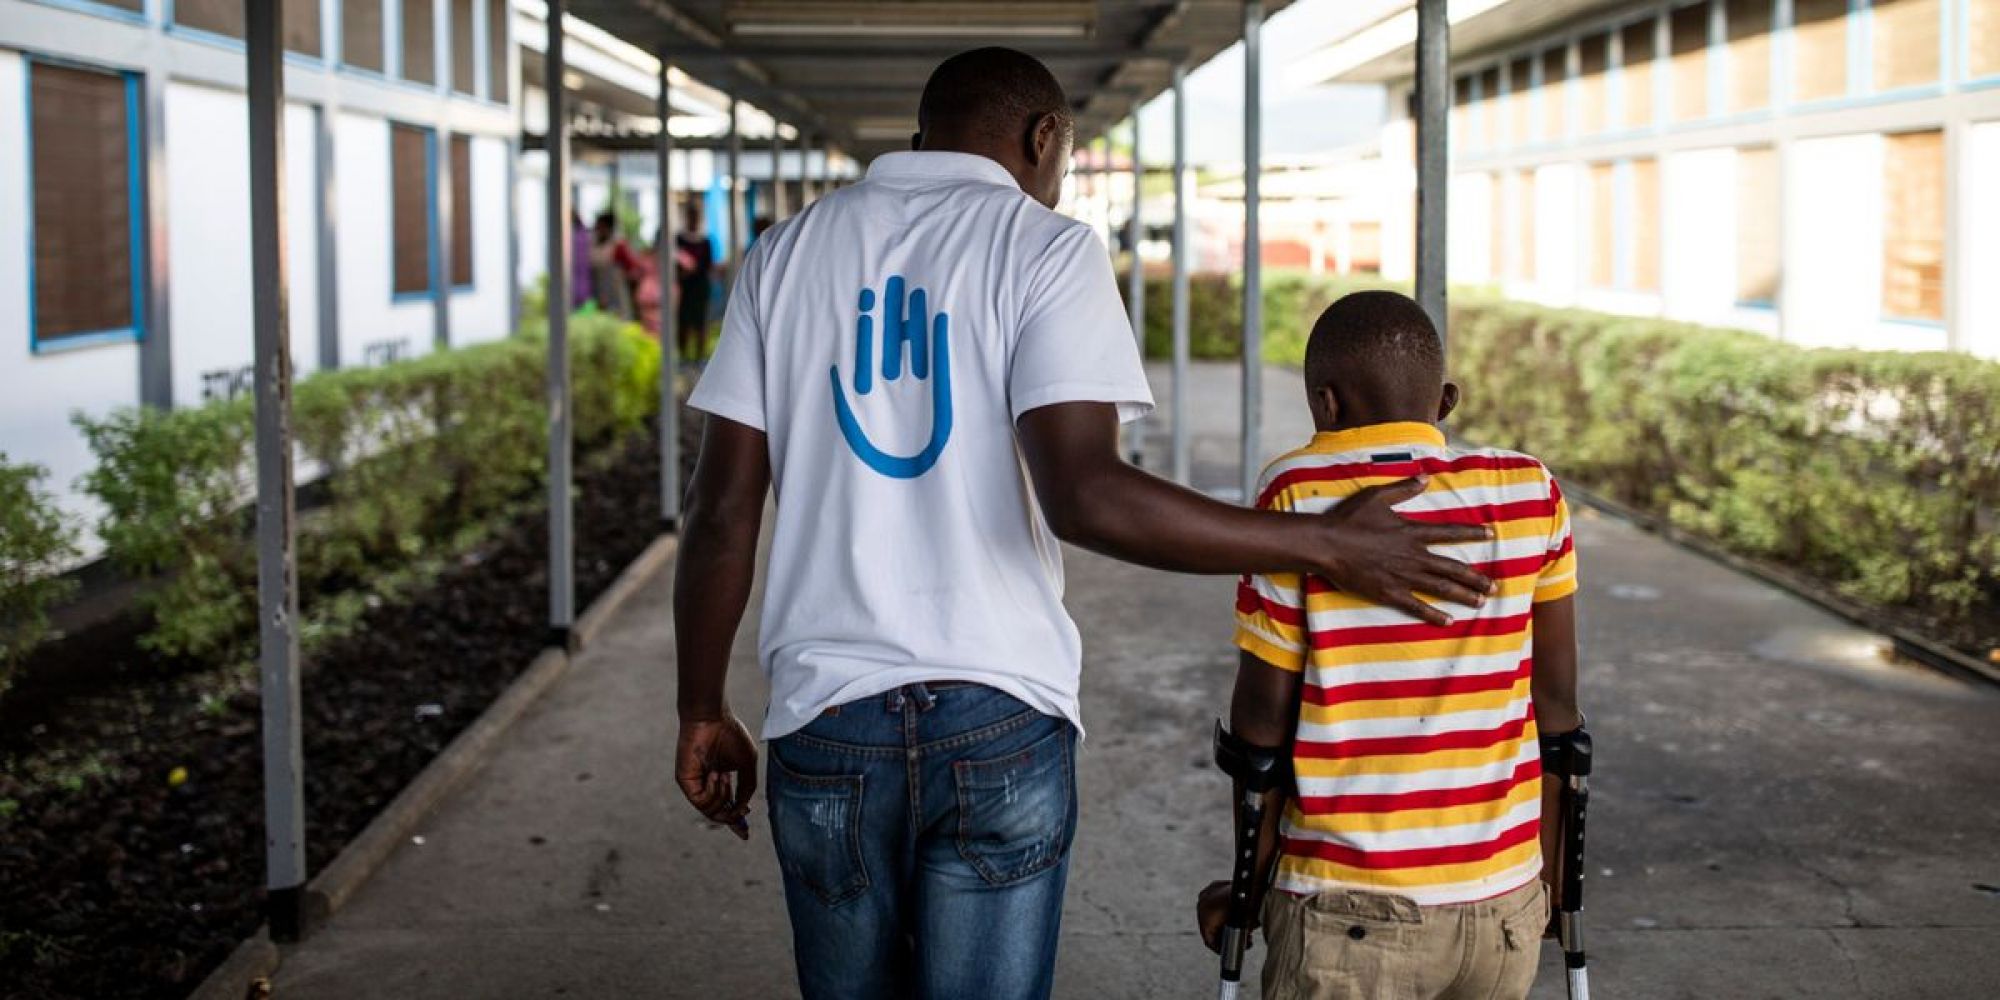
column 1905, row 37
column 83, row 178
column 461, row 211
column 1645, row 236
column 1593, row 60
column 419, row 41
column 1489, row 108
column 1913, row 225
column 1461, row 111
column 1982, row 37
column 1603, row 216
column 361, row 34
column 498, row 22
column 411, row 210
column 1520, row 83
column 225, row 17
column 1748, row 28
column 1688, row 41
column 1757, row 246
column 1524, row 225
column 1819, row 49
column 1637, row 72
column 463, row 78
column 1555, row 93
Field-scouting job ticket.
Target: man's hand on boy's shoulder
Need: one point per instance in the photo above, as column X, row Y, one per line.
column 1211, row 909
column 1382, row 556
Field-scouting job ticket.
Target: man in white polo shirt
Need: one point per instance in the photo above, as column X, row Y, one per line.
column 930, row 366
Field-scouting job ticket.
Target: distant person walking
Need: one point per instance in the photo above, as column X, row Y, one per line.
column 613, row 267
column 694, row 264
column 580, row 284
column 931, row 366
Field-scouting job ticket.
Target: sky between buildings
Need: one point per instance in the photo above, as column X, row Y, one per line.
column 1299, row 119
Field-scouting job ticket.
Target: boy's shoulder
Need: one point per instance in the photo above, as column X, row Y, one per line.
column 1340, row 472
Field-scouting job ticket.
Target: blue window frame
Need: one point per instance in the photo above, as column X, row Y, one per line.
column 132, row 10
column 61, row 323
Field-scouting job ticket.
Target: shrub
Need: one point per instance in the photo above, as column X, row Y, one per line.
column 34, row 542
column 413, row 453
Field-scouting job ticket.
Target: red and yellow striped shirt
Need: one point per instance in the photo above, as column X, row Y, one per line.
column 1416, row 757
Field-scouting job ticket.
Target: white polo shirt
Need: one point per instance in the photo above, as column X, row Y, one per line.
column 885, row 339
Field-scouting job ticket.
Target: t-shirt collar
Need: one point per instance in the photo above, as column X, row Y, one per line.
column 1371, row 437
column 939, row 165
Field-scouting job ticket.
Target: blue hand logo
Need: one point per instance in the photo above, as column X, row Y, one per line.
column 899, row 328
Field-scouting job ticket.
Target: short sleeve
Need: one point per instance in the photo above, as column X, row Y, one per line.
column 1076, row 343
column 732, row 386
column 1558, row 577
column 1271, row 609
column 1270, row 619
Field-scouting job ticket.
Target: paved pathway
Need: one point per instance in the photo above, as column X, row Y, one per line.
column 1780, row 812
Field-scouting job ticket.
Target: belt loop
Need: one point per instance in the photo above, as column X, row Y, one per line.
column 926, row 700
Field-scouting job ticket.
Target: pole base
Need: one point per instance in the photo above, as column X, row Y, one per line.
column 562, row 637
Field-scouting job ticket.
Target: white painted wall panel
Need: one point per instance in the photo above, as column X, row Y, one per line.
column 1833, row 239
column 1469, row 241
column 1978, row 273
column 38, row 393
column 208, row 239
column 531, row 183
column 369, row 314
column 1698, row 220
column 1558, row 232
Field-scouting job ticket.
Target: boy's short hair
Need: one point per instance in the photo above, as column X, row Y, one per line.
column 1378, row 346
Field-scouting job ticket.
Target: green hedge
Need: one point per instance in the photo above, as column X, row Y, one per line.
column 35, row 540
column 415, row 453
column 1875, row 472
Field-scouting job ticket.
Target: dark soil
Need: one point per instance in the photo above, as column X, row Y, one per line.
column 120, row 878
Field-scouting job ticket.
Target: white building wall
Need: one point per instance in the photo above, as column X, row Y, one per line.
column 531, row 188
column 1698, row 235
column 1979, row 226
column 1469, row 224
column 208, row 240
column 1399, row 205
column 369, row 313
column 1833, row 249
column 1558, row 232
column 40, row 392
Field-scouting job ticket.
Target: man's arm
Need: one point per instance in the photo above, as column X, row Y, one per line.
column 1552, row 684
column 1094, row 499
column 1264, row 711
column 715, row 762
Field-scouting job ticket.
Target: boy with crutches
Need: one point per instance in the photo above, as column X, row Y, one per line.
column 1405, row 846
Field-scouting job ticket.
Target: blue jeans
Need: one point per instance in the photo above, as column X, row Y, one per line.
column 924, row 837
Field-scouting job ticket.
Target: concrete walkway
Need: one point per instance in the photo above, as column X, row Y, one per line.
column 1779, row 811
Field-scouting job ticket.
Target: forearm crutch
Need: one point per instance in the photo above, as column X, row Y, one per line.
column 1566, row 756
column 1257, row 770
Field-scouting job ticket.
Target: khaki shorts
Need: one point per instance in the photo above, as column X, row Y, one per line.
column 1352, row 945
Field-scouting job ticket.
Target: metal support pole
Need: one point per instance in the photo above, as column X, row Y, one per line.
column 1135, row 295
column 670, row 354
column 1253, row 263
column 1433, row 176
column 277, row 573
column 1181, row 458
column 737, row 225
column 777, row 172
column 805, row 170
column 326, row 211
column 562, row 550
column 441, row 248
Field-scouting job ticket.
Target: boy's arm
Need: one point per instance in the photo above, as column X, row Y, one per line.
column 1263, row 711
column 1553, row 687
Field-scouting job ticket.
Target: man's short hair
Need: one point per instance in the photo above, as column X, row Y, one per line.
column 1378, row 346
column 992, row 92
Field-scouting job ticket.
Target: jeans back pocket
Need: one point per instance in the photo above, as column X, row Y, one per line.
column 1017, row 813
column 816, row 828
